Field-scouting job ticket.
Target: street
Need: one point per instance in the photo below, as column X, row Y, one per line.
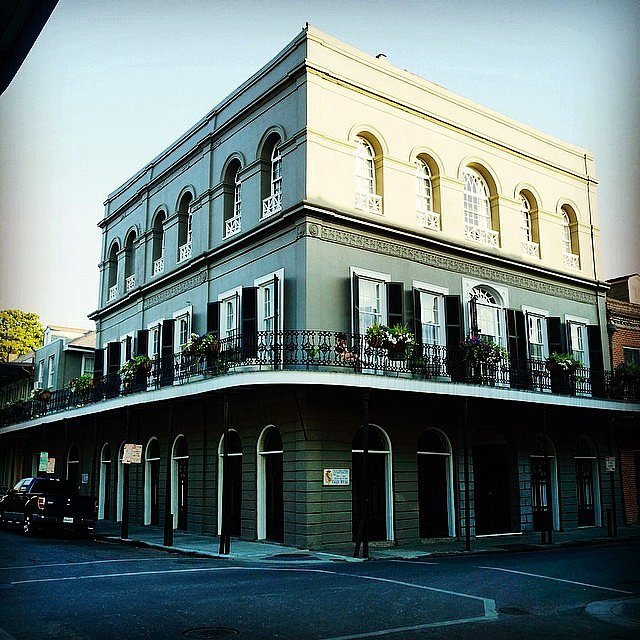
column 57, row 587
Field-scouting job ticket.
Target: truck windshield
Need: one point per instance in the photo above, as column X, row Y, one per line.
column 53, row 487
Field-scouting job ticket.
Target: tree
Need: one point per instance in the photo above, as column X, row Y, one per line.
column 20, row 332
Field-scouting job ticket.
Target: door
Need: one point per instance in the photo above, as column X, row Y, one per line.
column 585, row 492
column 183, row 493
column 235, row 488
column 491, row 477
column 375, row 492
column 274, row 499
column 154, row 489
column 542, row 520
column 432, row 496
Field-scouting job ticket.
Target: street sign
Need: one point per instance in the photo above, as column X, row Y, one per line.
column 51, row 465
column 610, row 463
column 335, row 478
column 44, row 457
column 132, row 454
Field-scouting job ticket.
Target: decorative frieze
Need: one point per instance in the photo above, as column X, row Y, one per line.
column 176, row 289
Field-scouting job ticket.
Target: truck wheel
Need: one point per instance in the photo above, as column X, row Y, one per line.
column 27, row 526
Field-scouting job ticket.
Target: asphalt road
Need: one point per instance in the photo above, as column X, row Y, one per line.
column 53, row 587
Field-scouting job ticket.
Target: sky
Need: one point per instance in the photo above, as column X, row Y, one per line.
column 110, row 83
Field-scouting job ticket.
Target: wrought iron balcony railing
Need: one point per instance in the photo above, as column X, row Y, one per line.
column 333, row 351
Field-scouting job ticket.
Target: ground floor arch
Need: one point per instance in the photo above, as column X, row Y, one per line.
column 152, row 482
column 587, row 483
column 545, row 498
column 270, row 489
column 104, row 482
column 180, row 483
column 234, row 476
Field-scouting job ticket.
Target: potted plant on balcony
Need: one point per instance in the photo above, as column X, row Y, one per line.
column 397, row 341
column 197, row 347
column 562, row 369
column 135, row 372
column 375, row 335
column 481, row 357
column 81, row 386
column 626, row 381
column 41, row 395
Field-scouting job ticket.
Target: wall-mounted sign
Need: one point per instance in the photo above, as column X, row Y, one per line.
column 335, row 478
column 85, row 478
column 44, row 457
column 132, row 454
column 51, row 465
column 610, row 463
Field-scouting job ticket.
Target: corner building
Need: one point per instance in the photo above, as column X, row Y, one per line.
column 331, row 192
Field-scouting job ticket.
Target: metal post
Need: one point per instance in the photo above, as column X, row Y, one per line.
column 547, row 527
column 124, row 528
column 467, row 479
column 225, row 536
column 168, row 516
column 362, row 537
column 612, row 477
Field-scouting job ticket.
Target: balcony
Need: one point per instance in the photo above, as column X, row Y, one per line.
column 571, row 261
column 272, row 205
column 113, row 293
column 158, row 266
column 530, row 249
column 130, row 282
column 234, row 225
column 184, row 252
column 331, row 352
column 369, row 202
column 428, row 219
column 481, row 235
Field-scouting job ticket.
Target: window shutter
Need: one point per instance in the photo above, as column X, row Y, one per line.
column 113, row 357
column 554, row 335
column 98, row 364
column 213, row 318
column 454, row 333
column 249, row 321
column 166, row 352
column 127, row 348
column 596, row 361
column 355, row 303
column 395, row 303
column 417, row 316
column 518, row 362
column 473, row 316
column 142, row 343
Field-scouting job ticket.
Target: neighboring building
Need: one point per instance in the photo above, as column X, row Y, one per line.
column 16, row 379
column 623, row 317
column 329, row 193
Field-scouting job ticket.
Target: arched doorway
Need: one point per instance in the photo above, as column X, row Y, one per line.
column 492, row 495
column 587, row 483
column 544, row 487
column 73, row 465
column 120, row 484
column 179, row 483
column 378, row 489
column 234, row 462
column 270, row 486
column 435, row 485
column 152, row 482
column 104, row 485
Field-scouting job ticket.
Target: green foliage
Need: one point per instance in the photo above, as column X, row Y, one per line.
column 476, row 350
column 563, row 362
column 20, row 332
column 81, row 383
column 137, row 366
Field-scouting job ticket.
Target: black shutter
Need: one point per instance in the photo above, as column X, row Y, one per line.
column 249, row 321
column 114, row 350
column 554, row 335
column 355, row 301
column 473, row 316
column 519, row 375
column 454, row 333
column 213, row 318
column 596, row 361
column 395, row 303
column 166, row 353
column 417, row 316
column 127, row 348
column 142, row 342
column 98, row 364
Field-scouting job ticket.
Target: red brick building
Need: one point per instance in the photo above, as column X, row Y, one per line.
column 623, row 320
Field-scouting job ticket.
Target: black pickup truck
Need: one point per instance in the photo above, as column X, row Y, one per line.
column 47, row 503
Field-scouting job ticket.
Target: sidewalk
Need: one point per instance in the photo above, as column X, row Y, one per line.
column 207, row 545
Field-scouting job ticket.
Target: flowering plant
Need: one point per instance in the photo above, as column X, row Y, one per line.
column 562, row 362
column 197, row 346
column 138, row 365
column 379, row 335
column 476, row 350
column 81, row 383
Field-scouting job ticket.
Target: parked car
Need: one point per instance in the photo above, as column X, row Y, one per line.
column 47, row 503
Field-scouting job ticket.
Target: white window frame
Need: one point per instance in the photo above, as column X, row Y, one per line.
column 440, row 293
column 151, row 327
column 467, row 285
column 235, row 297
column 123, row 346
column 261, row 284
column 538, row 313
column 476, row 204
column 178, row 316
column 577, row 320
column 147, row 480
column 40, row 380
column 374, row 276
column 86, row 358
column 634, row 353
column 51, row 370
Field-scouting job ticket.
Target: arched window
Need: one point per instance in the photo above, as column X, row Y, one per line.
column 232, row 199
column 570, row 249
column 545, row 505
column 179, row 483
column 112, row 272
column 158, row 244
column 477, row 209
column 130, row 262
column 152, row 482
column 426, row 215
column 185, row 223
column 486, row 315
column 272, row 186
column 367, row 197
column 528, row 229
column 270, row 485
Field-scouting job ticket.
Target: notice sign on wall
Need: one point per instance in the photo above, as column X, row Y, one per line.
column 51, row 465
column 610, row 463
column 335, row 478
column 132, row 454
column 85, row 478
column 44, row 459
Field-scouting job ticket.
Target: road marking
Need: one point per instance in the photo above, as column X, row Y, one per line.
column 74, row 564
column 409, row 561
column 536, row 575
